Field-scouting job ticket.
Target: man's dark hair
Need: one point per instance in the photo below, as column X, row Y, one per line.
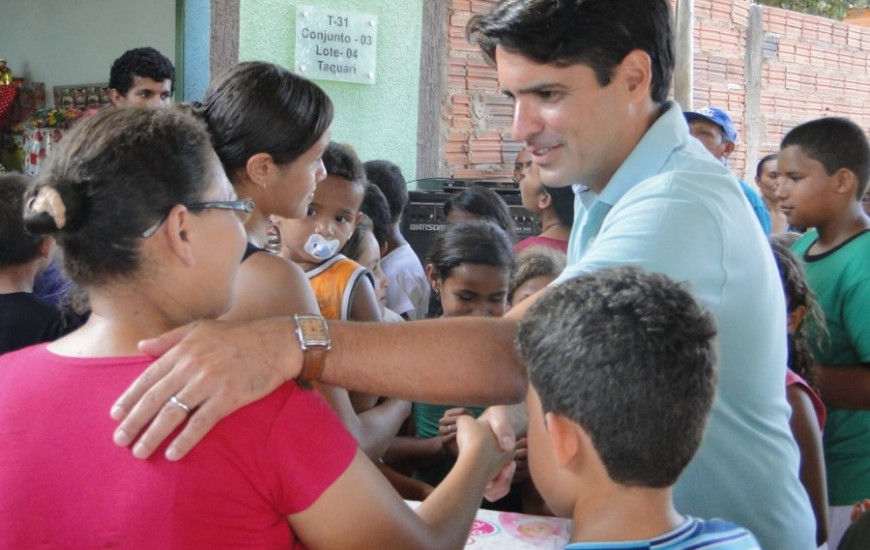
column 341, row 160
column 764, row 160
column 376, row 207
column 17, row 246
column 836, row 143
column 629, row 356
column 389, row 179
column 143, row 62
column 597, row 33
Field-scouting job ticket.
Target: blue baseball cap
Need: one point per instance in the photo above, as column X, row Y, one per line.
column 718, row 117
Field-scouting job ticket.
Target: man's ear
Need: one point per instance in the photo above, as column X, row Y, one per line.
column 636, row 71
column 176, row 229
column 116, row 98
column 432, row 275
column 566, row 438
column 258, row 169
column 729, row 148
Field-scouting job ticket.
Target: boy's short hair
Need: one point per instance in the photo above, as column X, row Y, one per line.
column 17, row 246
column 836, row 143
column 144, row 62
column 536, row 261
column 341, row 160
column 629, row 356
column 376, row 208
column 387, row 177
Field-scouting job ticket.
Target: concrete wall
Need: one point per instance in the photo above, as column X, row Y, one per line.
column 76, row 42
column 380, row 120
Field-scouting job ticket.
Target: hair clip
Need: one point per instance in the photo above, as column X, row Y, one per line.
column 48, row 200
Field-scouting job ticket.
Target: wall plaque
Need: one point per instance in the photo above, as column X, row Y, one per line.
column 336, row 45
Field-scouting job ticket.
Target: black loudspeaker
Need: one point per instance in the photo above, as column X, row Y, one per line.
column 424, row 216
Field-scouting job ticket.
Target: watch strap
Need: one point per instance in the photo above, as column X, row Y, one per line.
column 313, row 361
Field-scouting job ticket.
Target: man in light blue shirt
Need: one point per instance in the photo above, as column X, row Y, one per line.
column 715, row 130
column 590, row 103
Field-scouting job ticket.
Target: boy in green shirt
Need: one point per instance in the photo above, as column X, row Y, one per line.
column 824, row 165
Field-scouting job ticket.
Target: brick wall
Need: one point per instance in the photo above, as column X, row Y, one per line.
column 812, row 67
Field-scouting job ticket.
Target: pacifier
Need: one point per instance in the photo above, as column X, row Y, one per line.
column 321, row 248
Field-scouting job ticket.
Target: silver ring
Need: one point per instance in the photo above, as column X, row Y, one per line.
column 177, row 402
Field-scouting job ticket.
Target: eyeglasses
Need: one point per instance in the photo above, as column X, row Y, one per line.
column 242, row 209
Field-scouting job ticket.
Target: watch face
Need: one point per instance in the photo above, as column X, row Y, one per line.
column 313, row 330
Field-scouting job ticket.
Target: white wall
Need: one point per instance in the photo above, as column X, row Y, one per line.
column 75, row 42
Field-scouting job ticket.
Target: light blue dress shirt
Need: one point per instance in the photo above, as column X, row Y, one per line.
column 672, row 208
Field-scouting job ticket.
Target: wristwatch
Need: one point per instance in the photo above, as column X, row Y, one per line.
column 313, row 335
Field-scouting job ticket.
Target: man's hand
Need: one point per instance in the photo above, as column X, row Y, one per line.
column 212, row 368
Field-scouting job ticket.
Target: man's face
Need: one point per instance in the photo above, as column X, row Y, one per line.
column 569, row 123
column 711, row 137
column 145, row 92
column 522, row 165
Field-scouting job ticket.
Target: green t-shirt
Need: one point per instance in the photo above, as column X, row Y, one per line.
column 840, row 279
column 426, row 419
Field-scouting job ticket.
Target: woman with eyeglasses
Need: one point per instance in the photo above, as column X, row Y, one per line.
column 150, row 227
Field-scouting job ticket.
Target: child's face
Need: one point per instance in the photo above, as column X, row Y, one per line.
column 332, row 216
column 474, row 290
column 530, row 287
column 805, row 190
column 370, row 258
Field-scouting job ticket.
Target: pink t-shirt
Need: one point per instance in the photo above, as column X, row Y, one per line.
column 64, row 484
column 794, row 379
column 556, row 244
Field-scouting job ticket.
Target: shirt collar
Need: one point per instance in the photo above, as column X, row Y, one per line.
column 649, row 156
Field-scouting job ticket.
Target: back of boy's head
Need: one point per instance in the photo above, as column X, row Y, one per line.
column 836, row 143
column 375, row 206
column 17, row 246
column 536, row 261
column 341, row 160
column 630, row 357
column 471, row 242
column 483, row 203
column 389, row 179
